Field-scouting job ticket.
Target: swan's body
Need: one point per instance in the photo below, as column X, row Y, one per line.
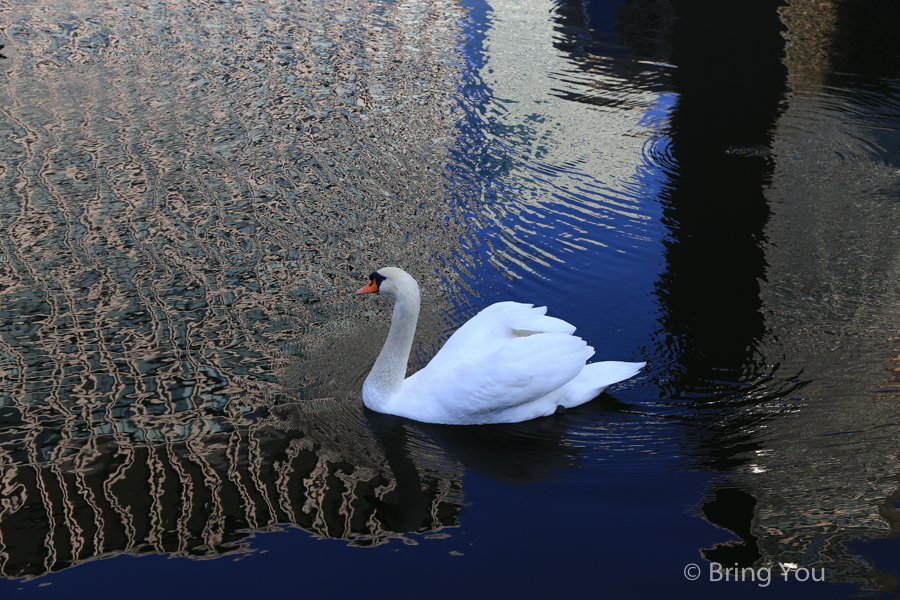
column 509, row 363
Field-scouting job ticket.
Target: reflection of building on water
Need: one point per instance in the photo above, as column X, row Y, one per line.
column 203, row 498
column 827, row 471
column 166, row 243
column 796, row 249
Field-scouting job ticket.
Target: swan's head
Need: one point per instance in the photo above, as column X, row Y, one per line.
column 390, row 281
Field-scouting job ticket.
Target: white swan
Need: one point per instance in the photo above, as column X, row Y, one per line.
column 509, row 363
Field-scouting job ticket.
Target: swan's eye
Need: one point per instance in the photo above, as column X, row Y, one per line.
column 377, row 278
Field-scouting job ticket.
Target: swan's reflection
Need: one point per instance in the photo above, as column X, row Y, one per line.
column 394, row 438
column 536, row 450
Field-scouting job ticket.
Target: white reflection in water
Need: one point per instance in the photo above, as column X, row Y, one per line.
column 564, row 170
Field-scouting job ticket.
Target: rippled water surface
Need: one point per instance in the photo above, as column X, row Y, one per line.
column 191, row 193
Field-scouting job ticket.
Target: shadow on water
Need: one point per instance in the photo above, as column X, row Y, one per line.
column 731, row 86
column 724, row 63
column 863, row 38
column 733, row 509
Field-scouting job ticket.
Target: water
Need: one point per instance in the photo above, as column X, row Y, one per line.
column 192, row 194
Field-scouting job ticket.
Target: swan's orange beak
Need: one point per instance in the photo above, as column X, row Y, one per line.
column 372, row 287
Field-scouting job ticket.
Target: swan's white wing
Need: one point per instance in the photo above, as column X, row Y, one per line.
column 524, row 369
column 492, row 328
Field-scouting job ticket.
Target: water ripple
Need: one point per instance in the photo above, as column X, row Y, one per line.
column 191, row 191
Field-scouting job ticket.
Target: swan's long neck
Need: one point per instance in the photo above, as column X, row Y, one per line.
column 389, row 371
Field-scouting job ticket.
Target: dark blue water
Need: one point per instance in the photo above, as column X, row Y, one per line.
column 192, row 194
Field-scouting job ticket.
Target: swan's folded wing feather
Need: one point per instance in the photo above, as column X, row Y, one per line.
column 492, row 328
column 523, row 370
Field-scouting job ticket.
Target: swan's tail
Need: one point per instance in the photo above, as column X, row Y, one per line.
column 606, row 373
column 595, row 378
